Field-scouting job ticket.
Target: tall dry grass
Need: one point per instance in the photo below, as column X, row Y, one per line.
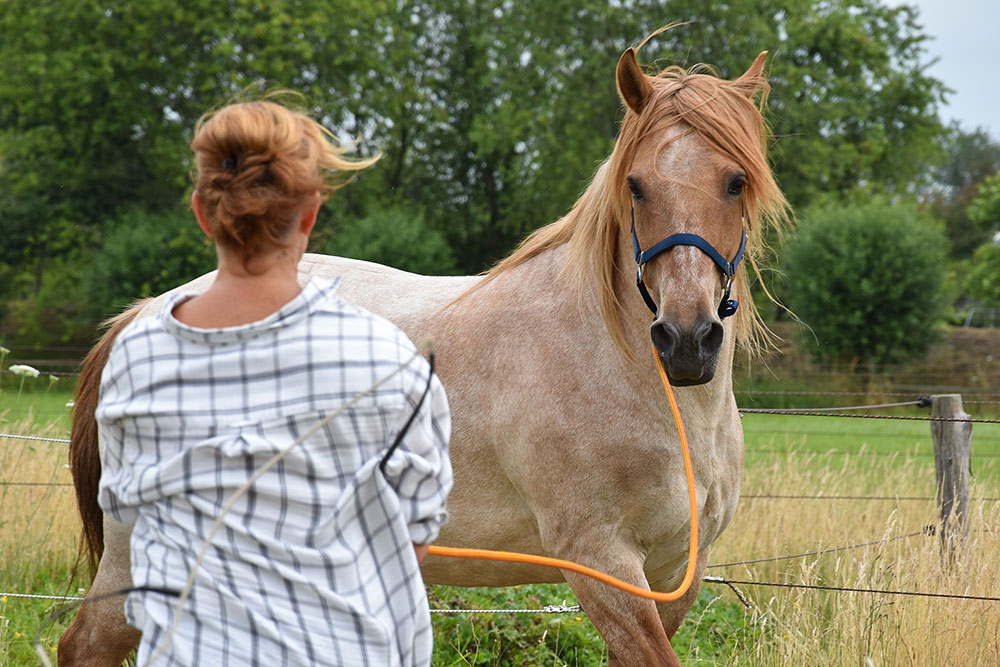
column 39, row 534
column 812, row 627
column 39, row 528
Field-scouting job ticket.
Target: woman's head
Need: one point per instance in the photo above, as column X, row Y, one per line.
column 258, row 167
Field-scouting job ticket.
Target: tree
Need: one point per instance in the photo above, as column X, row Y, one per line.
column 97, row 101
column 125, row 268
column 394, row 237
column 969, row 159
column 867, row 279
column 984, row 209
column 983, row 280
column 491, row 116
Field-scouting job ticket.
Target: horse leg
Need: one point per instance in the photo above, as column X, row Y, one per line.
column 630, row 625
column 672, row 613
column 99, row 636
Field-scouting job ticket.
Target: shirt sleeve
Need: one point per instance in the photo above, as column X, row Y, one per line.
column 420, row 468
column 116, row 473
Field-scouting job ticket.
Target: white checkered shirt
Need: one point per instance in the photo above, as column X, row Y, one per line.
column 315, row 564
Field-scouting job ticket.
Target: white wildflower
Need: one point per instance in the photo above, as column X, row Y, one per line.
column 70, row 404
column 24, row 370
column 4, row 350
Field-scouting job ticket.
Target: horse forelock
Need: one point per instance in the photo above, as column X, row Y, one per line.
column 723, row 113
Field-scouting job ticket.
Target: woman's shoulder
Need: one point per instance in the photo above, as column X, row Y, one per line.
column 351, row 321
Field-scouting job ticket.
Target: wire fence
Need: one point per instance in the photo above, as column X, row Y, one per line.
column 808, row 413
column 732, row 583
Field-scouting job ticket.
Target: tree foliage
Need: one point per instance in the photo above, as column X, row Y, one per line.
column 394, row 237
column 867, row 279
column 961, row 190
column 491, row 116
column 144, row 254
column 982, row 283
column 984, row 210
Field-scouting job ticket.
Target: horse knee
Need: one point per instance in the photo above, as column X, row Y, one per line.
column 89, row 642
column 672, row 614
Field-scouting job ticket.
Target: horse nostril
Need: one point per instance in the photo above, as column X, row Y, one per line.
column 665, row 337
column 709, row 336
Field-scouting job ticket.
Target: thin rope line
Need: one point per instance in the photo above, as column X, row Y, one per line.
column 805, row 497
column 32, row 437
column 857, row 452
column 39, row 597
column 755, row 392
column 769, row 392
column 548, row 609
column 851, row 434
column 803, row 413
column 36, row 484
column 863, row 590
column 926, row 531
column 861, row 407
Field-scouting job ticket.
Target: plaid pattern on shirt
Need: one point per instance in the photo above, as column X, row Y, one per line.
column 315, row 564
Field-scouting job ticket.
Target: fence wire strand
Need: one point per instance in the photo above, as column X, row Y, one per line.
column 806, row 413
column 928, row 530
column 33, row 437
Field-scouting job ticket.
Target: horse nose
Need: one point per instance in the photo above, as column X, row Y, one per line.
column 708, row 335
column 689, row 357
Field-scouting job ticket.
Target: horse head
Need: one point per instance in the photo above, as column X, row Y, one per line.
column 692, row 171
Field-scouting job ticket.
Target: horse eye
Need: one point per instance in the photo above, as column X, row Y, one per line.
column 634, row 188
column 736, row 185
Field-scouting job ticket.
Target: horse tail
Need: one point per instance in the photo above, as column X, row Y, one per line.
column 84, row 452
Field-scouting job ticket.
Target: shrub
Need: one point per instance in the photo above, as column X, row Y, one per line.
column 394, row 237
column 982, row 283
column 868, row 279
column 145, row 254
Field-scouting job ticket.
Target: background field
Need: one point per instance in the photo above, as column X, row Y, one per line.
column 803, row 457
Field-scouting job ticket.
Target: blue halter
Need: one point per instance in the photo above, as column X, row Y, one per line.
column 728, row 306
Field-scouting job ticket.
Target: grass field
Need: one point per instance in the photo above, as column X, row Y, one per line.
column 786, row 456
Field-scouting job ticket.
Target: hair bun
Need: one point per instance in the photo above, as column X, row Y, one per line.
column 259, row 165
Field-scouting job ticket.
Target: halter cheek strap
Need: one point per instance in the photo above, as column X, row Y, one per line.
column 728, row 306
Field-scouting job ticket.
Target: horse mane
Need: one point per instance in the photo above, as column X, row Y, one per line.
column 726, row 116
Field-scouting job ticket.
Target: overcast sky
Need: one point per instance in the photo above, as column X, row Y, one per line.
column 966, row 40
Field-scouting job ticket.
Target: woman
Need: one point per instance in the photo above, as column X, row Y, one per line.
column 317, row 563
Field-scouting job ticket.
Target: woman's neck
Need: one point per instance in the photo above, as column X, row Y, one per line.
column 243, row 293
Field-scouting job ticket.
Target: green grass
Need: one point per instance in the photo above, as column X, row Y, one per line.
column 37, row 409
column 714, row 630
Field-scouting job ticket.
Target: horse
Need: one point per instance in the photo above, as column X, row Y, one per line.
column 563, row 444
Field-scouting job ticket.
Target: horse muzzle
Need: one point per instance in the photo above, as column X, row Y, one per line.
column 689, row 356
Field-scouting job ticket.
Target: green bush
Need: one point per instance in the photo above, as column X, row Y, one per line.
column 982, row 282
column 145, row 254
column 394, row 237
column 45, row 306
column 868, row 280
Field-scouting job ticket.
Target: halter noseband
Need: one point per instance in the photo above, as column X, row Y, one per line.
column 728, row 306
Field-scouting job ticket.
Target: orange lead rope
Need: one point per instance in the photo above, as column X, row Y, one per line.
column 532, row 559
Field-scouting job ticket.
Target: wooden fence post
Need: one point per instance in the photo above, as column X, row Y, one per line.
column 953, row 465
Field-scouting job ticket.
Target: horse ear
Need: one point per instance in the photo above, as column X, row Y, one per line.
column 633, row 86
column 753, row 78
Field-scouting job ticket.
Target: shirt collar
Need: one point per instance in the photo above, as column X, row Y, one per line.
column 314, row 293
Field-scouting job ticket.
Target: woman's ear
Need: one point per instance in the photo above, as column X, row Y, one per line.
column 308, row 219
column 198, row 207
